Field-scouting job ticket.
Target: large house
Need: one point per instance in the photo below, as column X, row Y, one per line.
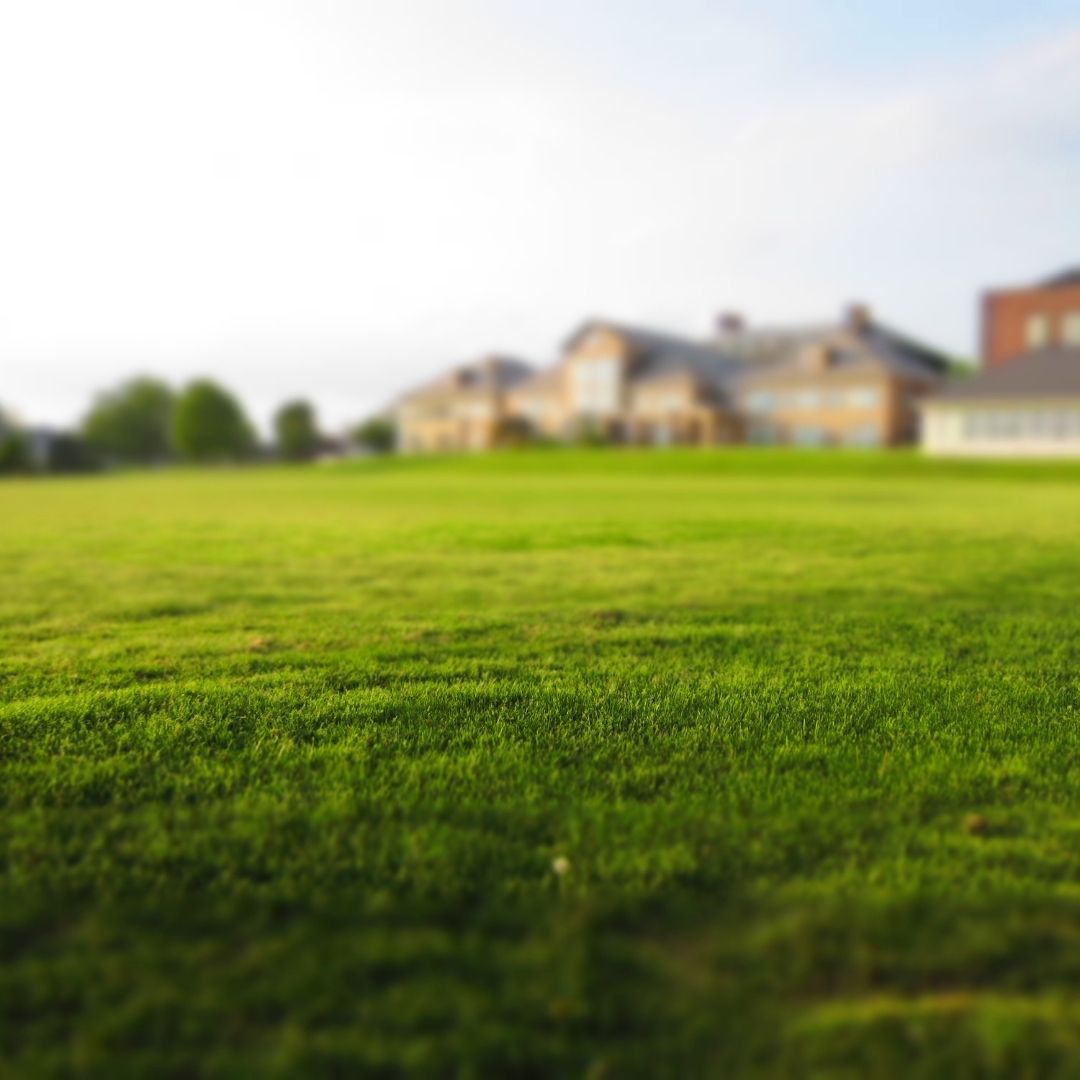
column 853, row 382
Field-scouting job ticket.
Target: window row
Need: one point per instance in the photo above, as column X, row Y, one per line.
column 1025, row 424
column 1040, row 329
column 856, row 397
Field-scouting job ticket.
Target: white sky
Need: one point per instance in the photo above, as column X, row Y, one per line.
column 334, row 199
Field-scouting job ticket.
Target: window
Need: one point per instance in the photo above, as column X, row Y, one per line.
column 1070, row 328
column 807, row 399
column 867, row 435
column 1066, row 424
column 1039, row 424
column 809, row 436
column 1038, row 330
column 597, row 386
column 1005, row 424
column 976, row 425
column 475, row 410
column 761, row 401
column 864, row 397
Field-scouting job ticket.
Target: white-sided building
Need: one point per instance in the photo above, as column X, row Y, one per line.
column 1026, row 407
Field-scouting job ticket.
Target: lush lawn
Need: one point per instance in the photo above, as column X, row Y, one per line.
column 286, row 757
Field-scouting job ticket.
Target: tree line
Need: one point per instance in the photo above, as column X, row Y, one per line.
column 145, row 422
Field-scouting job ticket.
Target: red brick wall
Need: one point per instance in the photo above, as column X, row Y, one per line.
column 1006, row 313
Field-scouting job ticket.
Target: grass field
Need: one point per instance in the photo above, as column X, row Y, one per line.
column 289, row 759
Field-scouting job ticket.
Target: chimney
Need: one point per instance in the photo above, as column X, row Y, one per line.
column 859, row 318
column 730, row 322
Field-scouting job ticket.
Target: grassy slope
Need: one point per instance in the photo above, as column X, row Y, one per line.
column 286, row 756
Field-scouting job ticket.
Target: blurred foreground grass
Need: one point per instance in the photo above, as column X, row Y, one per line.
column 289, row 760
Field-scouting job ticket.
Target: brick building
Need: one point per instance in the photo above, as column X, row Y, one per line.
column 1016, row 321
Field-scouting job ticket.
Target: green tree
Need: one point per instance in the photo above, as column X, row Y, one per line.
column 209, row 425
column 377, row 435
column 132, row 423
column 14, row 453
column 297, row 431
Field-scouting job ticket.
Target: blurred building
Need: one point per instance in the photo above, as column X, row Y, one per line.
column 853, row 382
column 1018, row 320
column 1026, row 400
column 626, row 384
column 1027, row 407
column 461, row 410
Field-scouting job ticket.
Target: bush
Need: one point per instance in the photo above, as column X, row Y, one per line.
column 515, row 431
column 377, row 435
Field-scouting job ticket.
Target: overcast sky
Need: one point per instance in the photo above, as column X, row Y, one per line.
column 334, row 199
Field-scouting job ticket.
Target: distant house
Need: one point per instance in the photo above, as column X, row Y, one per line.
column 1028, row 406
column 854, row 382
column 1019, row 320
column 461, row 410
column 851, row 383
column 632, row 385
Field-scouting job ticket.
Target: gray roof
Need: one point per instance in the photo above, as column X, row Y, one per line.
column 660, row 354
column 770, row 344
column 490, row 373
column 777, row 350
column 1045, row 373
column 725, row 360
column 1065, row 278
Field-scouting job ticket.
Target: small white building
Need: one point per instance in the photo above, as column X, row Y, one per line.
column 1027, row 407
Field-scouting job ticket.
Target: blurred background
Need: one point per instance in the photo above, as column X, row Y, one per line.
column 334, row 202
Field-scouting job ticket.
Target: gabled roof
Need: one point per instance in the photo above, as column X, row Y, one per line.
column 1063, row 279
column 902, row 353
column 777, row 351
column 490, row 373
column 770, row 344
column 1044, row 373
column 545, row 381
column 660, row 354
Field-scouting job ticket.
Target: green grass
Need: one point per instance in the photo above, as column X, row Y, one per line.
column 286, row 757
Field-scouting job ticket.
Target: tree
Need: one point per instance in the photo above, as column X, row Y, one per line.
column 132, row 423
column 209, row 425
column 14, row 453
column 297, row 431
column 377, row 435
